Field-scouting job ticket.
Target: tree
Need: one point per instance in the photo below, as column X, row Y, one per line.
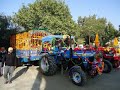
column 3, row 22
column 51, row 14
column 92, row 25
column 5, row 30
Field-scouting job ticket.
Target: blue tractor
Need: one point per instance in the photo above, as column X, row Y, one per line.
column 58, row 51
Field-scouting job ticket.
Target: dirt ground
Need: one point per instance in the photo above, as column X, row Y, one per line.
column 31, row 79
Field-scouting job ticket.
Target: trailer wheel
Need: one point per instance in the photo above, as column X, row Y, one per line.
column 48, row 66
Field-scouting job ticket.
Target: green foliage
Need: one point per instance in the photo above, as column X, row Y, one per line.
column 3, row 22
column 51, row 14
column 92, row 25
column 5, row 31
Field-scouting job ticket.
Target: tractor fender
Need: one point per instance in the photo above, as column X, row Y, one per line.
column 42, row 54
column 73, row 68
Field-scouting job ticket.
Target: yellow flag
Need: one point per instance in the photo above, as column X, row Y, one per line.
column 97, row 40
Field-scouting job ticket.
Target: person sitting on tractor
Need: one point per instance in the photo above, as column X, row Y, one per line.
column 67, row 41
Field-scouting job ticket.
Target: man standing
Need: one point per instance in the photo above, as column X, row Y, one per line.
column 9, row 61
column 2, row 54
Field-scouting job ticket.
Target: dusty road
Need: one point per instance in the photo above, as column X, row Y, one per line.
column 30, row 79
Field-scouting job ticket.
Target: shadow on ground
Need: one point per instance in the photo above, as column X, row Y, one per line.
column 62, row 82
column 37, row 82
column 19, row 73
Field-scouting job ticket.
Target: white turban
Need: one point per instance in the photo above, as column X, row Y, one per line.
column 10, row 49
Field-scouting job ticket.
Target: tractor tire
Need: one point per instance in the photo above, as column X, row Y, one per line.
column 48, row 65
column 116, row 64
column 107, row 66
column 78, row 77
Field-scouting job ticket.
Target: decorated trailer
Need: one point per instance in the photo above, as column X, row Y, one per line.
column 28, row 45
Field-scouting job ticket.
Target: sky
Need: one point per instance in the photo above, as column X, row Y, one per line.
column 102, row 8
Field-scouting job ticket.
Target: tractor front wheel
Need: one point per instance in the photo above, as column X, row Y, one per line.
column 78, row 77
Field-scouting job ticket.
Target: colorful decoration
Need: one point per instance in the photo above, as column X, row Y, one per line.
column 46, row 46
column 27, row 40
column 115, row 43
column 97, row 40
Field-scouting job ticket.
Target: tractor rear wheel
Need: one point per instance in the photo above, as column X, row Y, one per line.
column 48, row 65
column 107, row 66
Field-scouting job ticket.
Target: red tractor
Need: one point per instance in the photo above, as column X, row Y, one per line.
column 112, row 56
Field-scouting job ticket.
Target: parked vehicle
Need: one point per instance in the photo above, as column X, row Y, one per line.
column 55, row 51
column 77, row 63
column 112, row 56
column 27, row 46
